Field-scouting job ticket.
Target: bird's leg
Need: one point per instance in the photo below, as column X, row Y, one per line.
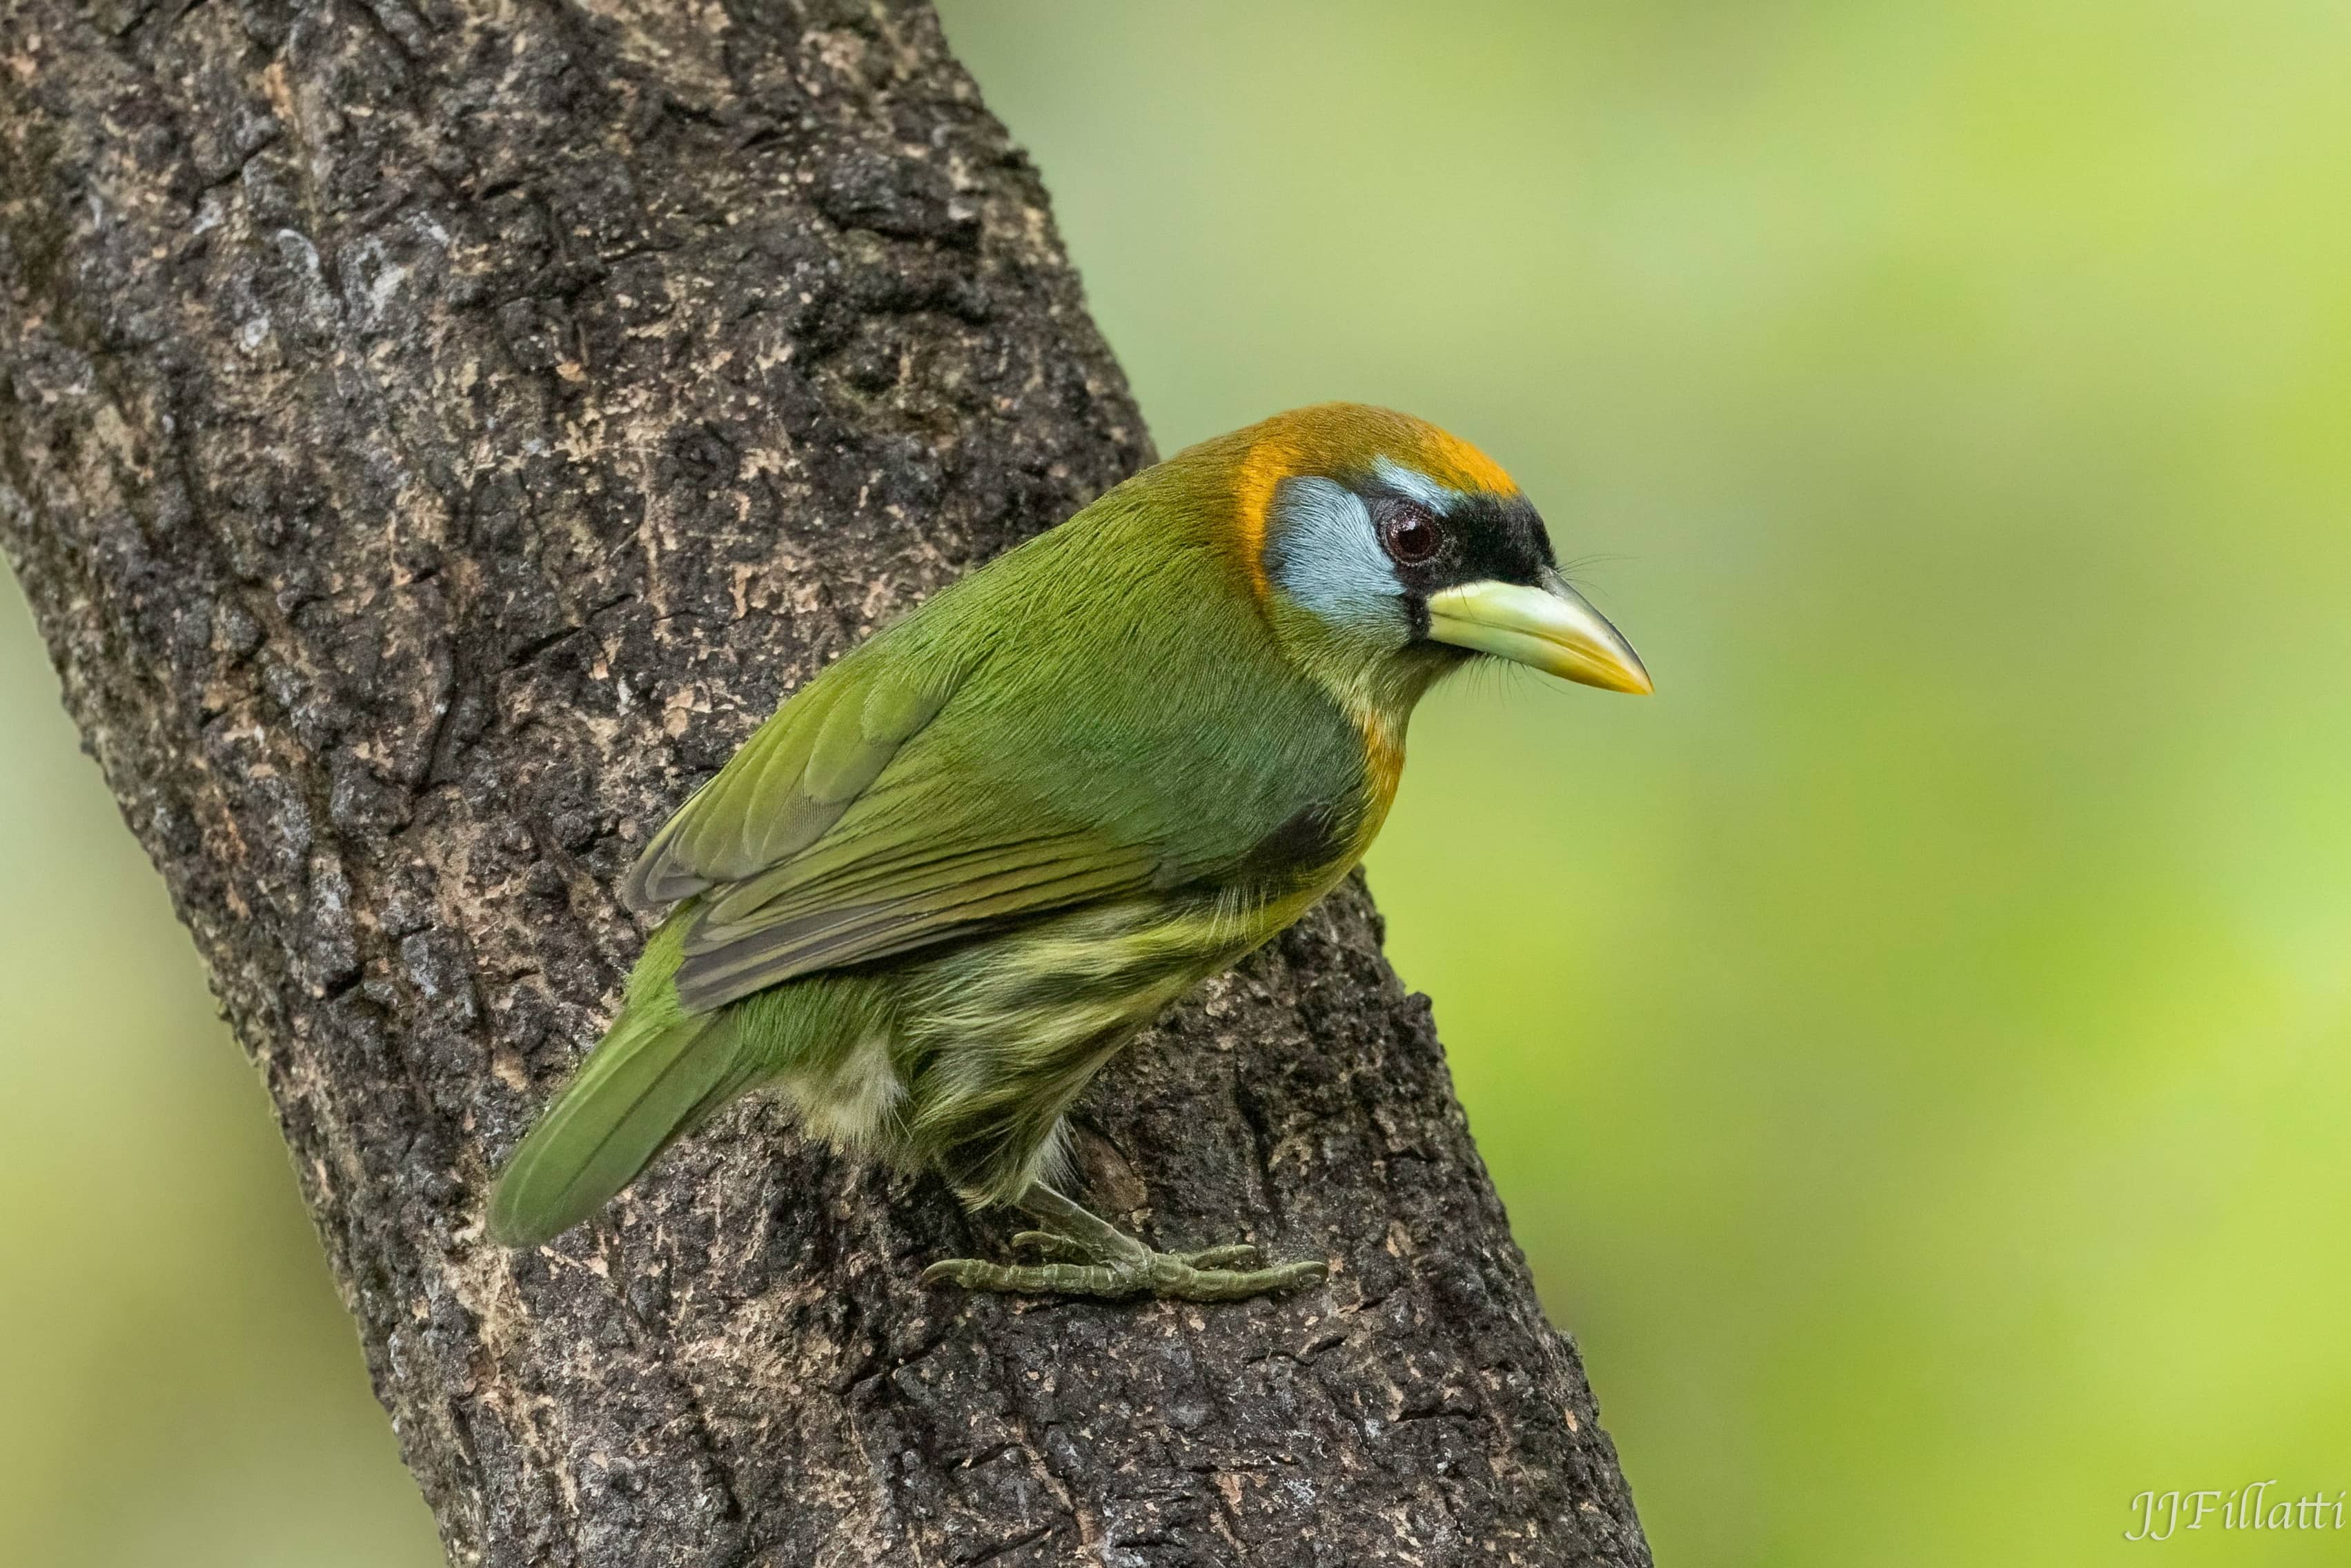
column 1094, row 1258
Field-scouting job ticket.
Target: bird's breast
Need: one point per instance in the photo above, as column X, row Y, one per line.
column 1063, row 984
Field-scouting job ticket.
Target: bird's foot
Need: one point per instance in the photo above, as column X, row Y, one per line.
column 1087, row 1256
column 1210, row 1275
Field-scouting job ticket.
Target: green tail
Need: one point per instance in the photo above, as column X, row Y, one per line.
column 655, row 1077
column 662, row 1072
column 650, row 1083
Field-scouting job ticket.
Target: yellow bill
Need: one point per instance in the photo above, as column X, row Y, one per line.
column 1551, row 627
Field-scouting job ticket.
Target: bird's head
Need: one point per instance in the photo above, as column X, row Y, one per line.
column 1387, row 551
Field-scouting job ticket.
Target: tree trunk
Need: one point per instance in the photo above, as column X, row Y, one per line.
column 432, row 436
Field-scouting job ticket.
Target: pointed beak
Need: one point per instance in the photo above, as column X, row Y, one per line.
column 1551, row 627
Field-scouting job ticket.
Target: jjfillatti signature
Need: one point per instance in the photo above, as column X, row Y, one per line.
column 2160, row 1516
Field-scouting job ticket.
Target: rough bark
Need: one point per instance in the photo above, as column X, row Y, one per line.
column 432, row 436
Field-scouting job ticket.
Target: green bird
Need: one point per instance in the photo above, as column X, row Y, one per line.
column 965, row 866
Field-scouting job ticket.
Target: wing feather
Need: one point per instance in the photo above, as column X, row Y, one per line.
column 839, row 834
column 925, row 790
column 792, row 780
column 888, row 912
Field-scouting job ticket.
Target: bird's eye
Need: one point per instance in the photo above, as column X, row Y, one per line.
column 1410, row 534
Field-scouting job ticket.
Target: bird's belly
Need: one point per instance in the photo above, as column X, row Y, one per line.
column 1001, row 1035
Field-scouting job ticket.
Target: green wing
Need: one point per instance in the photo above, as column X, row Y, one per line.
column 909, row 884
column 1063, row 728
column 793, row 779
column 841, row 834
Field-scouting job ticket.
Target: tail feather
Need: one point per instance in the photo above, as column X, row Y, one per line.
column 655, row 1078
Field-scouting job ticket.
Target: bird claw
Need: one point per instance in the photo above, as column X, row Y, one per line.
column 1049, row 1244
column 1238, row 1255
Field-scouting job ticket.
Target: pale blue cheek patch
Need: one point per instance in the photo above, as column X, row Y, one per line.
column 1321, row 547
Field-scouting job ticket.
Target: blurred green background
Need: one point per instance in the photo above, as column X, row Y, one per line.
column 1914, row 1046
